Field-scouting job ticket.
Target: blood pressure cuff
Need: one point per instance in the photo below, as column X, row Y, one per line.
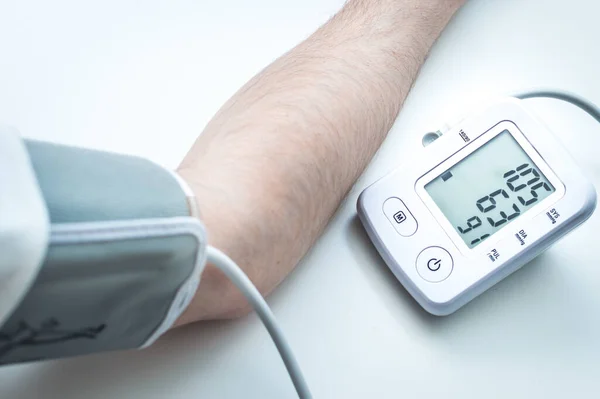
column 123, row 262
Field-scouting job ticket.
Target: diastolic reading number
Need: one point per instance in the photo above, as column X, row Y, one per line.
column 523, row 177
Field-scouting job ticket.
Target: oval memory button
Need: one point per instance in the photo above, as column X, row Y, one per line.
column 400, row 217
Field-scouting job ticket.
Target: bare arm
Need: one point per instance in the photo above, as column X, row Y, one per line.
column 275, row 162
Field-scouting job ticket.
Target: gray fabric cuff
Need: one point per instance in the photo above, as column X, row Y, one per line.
column 124, row 260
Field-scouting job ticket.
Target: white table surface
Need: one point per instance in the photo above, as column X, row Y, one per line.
column 144, row 77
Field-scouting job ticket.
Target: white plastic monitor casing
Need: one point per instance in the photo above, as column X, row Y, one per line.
column 472, row 271
column 24, row 222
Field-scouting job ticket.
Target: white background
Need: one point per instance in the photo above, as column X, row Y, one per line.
column 144, row 77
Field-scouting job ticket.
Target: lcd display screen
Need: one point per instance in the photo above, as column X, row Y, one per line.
column 491, row 187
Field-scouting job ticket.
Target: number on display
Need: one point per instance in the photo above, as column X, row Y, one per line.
column 522, row 178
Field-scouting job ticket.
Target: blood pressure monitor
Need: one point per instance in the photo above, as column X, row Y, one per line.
column 480, row 202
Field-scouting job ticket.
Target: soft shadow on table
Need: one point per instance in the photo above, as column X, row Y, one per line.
column 506, row 308
column 107, row 374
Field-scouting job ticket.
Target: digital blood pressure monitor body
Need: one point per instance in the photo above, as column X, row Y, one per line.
column 480, row 202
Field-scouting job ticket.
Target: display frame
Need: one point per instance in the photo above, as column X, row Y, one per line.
column 465, row 152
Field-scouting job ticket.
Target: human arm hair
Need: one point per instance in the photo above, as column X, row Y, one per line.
column 274, row 163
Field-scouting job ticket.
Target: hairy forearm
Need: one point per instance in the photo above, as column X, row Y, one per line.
column 273, row 165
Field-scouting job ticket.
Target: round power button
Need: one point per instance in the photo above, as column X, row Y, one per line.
column 434, row 264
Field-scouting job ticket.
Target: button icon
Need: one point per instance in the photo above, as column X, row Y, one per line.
column 399, row 217
column 434, row 264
